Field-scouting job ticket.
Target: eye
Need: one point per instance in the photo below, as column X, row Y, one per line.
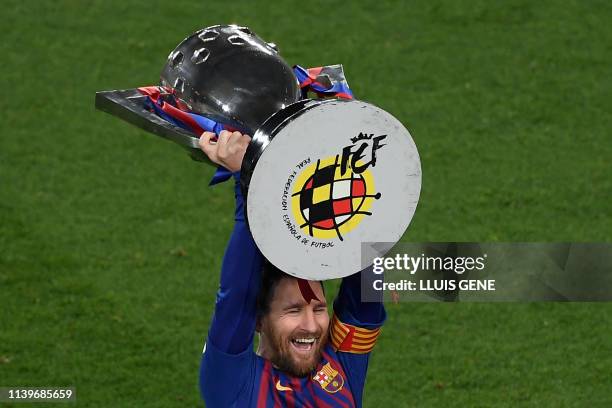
column 320, row 309
column 293, row 311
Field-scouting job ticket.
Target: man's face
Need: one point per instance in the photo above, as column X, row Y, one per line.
column 295, row 331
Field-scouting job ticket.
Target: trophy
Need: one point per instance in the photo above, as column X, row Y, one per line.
column 321, row 177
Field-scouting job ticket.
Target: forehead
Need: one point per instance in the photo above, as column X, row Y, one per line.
column 288, row 291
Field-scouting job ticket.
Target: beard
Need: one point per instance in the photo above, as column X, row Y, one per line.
column 284, row 358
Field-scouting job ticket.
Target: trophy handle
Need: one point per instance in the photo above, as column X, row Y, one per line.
column 128, row 104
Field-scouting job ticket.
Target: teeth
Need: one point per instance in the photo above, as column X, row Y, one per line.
column 307, row 341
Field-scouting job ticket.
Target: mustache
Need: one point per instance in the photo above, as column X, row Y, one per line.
column 302, row 333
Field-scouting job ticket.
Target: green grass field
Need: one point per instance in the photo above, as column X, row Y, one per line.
column 111, row 241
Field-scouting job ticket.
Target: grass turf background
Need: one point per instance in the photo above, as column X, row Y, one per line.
column 110, row 239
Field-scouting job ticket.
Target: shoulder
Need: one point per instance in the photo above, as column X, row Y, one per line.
column 225, row 377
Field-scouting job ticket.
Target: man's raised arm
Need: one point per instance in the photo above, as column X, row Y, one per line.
column 354, row 330
column 233, row 322
column 351, row 311
column 228, row 359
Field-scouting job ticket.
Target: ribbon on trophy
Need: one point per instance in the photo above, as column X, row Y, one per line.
column 326, row 81
column 306, row 290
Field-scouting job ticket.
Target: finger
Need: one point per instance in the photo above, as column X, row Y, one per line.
column 208, row 146
column 223, row 151
column 224, row 137
column 246, row 139
column 234, row 138
column 206, row 139
column 206, row 135
column 214, row 138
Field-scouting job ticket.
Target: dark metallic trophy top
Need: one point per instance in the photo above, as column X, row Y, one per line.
column 229, row 74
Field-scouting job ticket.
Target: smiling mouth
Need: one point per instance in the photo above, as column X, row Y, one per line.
column 303, row 344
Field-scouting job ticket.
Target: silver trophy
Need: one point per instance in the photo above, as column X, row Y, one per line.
column 320, row 177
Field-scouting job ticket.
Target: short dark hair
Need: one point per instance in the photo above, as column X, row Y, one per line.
column 270, row 277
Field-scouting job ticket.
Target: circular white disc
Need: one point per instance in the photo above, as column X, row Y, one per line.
column 335, row 176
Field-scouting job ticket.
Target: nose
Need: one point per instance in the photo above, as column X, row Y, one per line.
column 308, row 322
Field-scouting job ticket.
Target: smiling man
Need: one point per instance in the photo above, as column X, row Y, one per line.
column 292, row 330
column 304, row 358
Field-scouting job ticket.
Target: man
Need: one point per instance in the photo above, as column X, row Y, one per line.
column 303, row 359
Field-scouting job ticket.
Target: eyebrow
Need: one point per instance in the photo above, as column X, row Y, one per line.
column 298, row 305
column 294, row 305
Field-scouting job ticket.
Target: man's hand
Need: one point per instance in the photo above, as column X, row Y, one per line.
column 227, row 151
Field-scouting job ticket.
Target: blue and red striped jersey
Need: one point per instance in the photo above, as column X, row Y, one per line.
column 267, row 387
